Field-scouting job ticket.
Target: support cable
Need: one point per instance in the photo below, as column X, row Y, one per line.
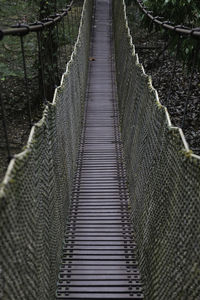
column 4, row 123
column 181, row 29
column 36, row 26
column 196, row 52
column 174, row 70
column 26, row 80
column 39, row 38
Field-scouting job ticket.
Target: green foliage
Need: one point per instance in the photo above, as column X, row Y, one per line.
column 27, row 11
column 179, row 12
column 56, row 44
column 7, row 71
column 185, row 12
column 13, row 12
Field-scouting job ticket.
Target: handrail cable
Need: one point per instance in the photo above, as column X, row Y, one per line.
column 181, row 29
column 22, row 29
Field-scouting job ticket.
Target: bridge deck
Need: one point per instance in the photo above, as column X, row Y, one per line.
column 98, row 259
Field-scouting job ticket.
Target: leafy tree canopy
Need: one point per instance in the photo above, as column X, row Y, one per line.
column 27, row 11
column 186, row 12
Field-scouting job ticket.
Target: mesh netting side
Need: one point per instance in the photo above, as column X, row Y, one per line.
column 35, row 193
column 164, row 180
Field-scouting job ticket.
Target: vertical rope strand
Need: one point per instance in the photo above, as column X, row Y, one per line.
column 4, row 123
column 41, row 64
column 196, row 52
column 26, row 80
column 174, row 70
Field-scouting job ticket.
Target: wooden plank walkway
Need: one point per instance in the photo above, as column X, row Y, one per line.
column 98, row 258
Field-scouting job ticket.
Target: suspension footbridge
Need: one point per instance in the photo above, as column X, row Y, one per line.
column 99, row 260
column 103, row 202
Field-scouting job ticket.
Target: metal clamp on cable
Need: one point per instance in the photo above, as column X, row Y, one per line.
column 56, row 16
column 38, row 23
column 159, row 18
column 184, row 27
column 180, row 27
column 141, row 3
column 69, row 7
column 167, row 22
column 49, row 19
column 197, row 29
column 177, row 27
column 20, row 25
column 154, row 18
column 64, row 10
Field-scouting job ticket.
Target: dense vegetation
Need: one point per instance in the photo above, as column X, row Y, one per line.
column 24, row 12
column 55, row 44
column 27, row 11
column 178, row 12
column 172, row 60
column 186, row 12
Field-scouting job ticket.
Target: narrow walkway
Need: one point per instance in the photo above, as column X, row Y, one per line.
column 99, row 260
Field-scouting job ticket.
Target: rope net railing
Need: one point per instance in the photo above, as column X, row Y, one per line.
column 33, row 57
column 35, row 193
column 170, row 54
column 164, row 179
column 181, row 29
